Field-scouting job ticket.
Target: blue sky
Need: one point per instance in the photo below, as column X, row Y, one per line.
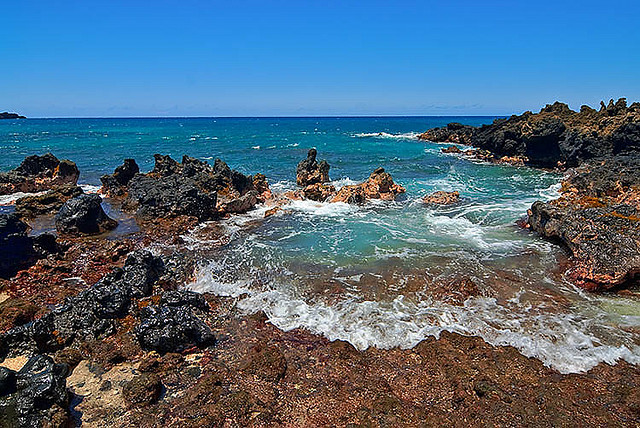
column 274, row 58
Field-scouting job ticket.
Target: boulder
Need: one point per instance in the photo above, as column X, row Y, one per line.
column 37, row 174
column 451, row 149
column 16, row 248
column 319, row 192
column 115, row 184
column 442, row 198
column 35, row 393
column 310, row 171
column 83, row 215
column 379, row 185
column 47, row 203
column 597, row 218
column 173, row 325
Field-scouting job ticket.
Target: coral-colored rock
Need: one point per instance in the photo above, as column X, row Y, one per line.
column 379, row 185
column 442, row 198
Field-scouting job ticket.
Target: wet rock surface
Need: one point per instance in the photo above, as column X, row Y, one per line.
column 83, row 215
column 17, row 249
column 310, row 171
column 442, row 198
column 115, row 184
column 556, row 136
column 598, row 218
column 37, row 174
column 47, row 203
column 379, row 185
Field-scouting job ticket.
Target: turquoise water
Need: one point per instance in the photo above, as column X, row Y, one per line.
column 369, row 274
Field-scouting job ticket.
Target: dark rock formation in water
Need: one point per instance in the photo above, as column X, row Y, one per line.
column 115, row 184
column 17, row 249
column 193, row 188
column 83, row 215
column 47, row 203
column 598, row 218
column 35, row 394
column 7, row 115
column 379, row 185
column 555, row 136
column 319, row 192
column 442, row 198
column 310, row 171
column 37, row 174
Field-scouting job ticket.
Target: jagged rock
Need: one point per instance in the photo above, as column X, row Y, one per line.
column 91, row 313
column 115, row 184
column 193, row 188
column 442, row 198
column 48, row 203
column 598, row 218
column 451, row 149
column 310, row 171
column 34, row 393
column 7, row 115
column 83, row 215
column 37, row 174
column 555, row 135
column 173, row 326
column 319, row 192
column 379, row 185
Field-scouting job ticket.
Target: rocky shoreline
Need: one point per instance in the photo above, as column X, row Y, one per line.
column 96, row 328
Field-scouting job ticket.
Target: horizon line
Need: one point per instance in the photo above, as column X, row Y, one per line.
column 264, row 117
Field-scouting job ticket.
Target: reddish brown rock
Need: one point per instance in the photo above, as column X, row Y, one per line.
column 37, row 174
column 319, row 192
column 451, row 149
column 310, row 171
column 442, row 198
column 379, row 185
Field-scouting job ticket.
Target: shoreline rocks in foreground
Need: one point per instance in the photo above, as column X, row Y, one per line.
column 556, row 136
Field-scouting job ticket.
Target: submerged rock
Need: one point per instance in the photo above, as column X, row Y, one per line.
column 115, row 184
column 442, row 198
column 83, row 215
column 598, row 218
column 555, row 136
column 379, row 185
column 48, row 203
column 310, row 171
column 37, row 174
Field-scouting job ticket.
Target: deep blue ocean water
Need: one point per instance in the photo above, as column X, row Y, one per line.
column 366, row 274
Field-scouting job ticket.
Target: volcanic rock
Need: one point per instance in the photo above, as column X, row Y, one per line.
column 83, row 215
column 319, row 192
column 17, row 250
column 379, row 185
column 7, row 115
column 47, row 203
column 598, row 218
column 142, row 390
column 451, row 149
column 310, row 171
column 115, row 184
column 173, row 326
column 555, row 135
column 442, row 198
column 37, row 174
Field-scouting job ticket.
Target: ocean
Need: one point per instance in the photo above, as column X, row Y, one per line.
column 369, row 274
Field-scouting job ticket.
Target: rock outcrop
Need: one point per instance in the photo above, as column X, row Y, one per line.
column 7, row 115
column 193, row 188
column 17, row 249
column 379, row 185
column 37, row 174
column 442, row 198
column 598, row 218
column 556, row 136
column 47, row 203
column 115, row 184
column 83, row 215
column 310, row 171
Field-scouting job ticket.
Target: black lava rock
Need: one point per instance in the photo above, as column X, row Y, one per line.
column 83, row 215
column 115, row 184
column 16, row 248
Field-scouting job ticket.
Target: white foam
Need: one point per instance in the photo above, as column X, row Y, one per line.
column 560, row 341
column 403, row 136
column 11, row 198
column 89, row 188
column 322, row 209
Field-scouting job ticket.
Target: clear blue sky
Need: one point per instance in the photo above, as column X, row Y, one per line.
column 246, row 58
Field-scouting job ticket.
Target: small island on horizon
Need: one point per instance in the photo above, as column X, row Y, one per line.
column 7, row 115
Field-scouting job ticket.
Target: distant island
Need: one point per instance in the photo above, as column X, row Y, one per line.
column 7, row 115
